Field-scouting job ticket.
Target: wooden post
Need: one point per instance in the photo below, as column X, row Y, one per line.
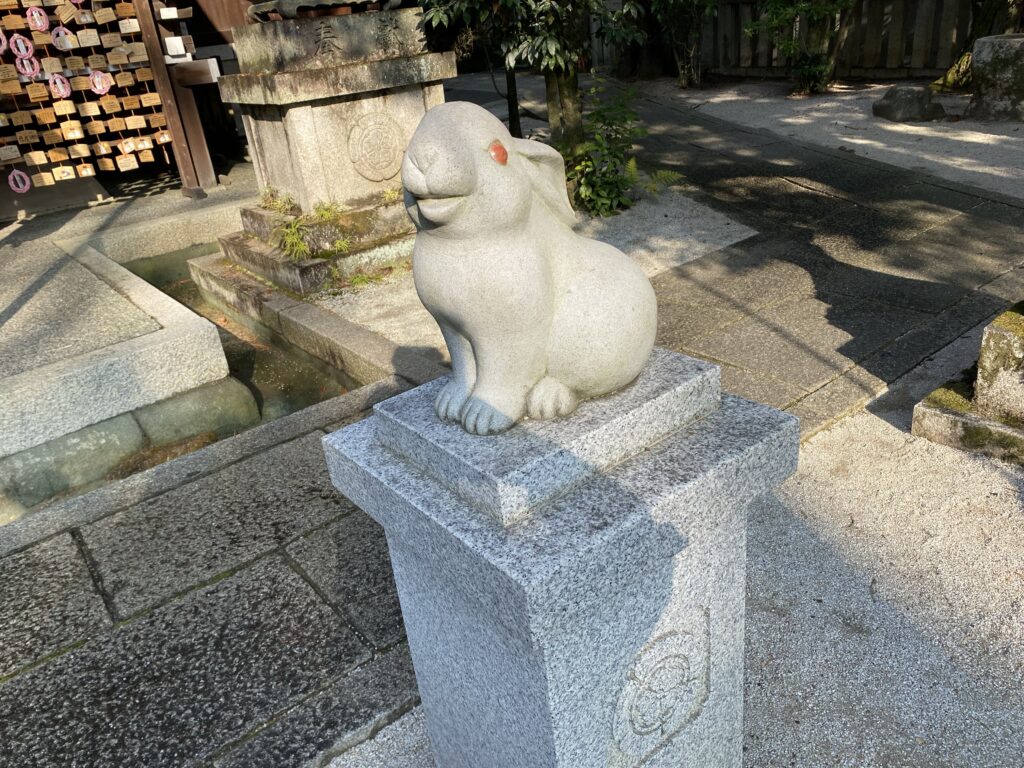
column 165, row 87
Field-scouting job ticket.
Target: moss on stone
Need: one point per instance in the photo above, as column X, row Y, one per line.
column 953, row 396
column 1012, row 320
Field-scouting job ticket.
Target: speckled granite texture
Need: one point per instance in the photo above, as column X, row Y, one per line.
column 509, row 474
column 606, row 627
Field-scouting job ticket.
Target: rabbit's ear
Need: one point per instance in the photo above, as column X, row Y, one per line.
column 545, row 169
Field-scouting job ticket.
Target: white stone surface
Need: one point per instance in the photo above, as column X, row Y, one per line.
column 172, row 351
column 986, row 155
column 604, row 629
column 535, row 317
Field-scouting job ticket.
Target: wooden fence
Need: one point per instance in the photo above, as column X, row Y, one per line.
column 886, row 39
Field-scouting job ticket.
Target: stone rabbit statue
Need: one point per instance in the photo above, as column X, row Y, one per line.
column 535, row 317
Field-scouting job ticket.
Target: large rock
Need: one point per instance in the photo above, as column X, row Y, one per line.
column 908, row 104
column 999, row 389
column 997, row 70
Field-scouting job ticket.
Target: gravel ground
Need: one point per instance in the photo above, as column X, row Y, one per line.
column 986, row 155
column 885, row 592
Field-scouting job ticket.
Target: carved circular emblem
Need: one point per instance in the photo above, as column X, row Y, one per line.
column 19, row 182
column 666, row 689
column 375, row 147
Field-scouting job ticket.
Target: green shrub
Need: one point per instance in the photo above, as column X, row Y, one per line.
column 602, row 170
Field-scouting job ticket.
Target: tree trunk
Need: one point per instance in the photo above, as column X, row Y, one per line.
column 554, row 106
column 572, row 108
column 515, row 127
column 838, row 41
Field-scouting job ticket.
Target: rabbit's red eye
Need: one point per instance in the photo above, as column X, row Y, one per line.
column 499, row 153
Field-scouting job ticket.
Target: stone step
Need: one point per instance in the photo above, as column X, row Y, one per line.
column 260, row 258
column 999, row 388
column 510, row 474
column 362, row 228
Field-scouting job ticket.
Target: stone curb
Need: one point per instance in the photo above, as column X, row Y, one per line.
column 104, row 501
column 967, row 432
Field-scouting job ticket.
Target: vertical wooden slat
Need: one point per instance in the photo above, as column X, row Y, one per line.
column 850, row 55
column 922, row 33
column 947, row 33
column 707, row 42
column 896, row 45
column 746, row 44
column 727, row 34
column 873, row 33
column 764, row 49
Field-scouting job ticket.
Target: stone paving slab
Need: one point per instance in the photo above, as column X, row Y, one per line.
column 164, row 546
column 349, row 712
column 48, row 602
column 348, row 561
column 177, row 685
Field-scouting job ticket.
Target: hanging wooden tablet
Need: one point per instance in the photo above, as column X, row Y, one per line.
column 128, row 26
column 105, row 164
column 117, row 59
column 57, row 155
column 135, row 123
column 21, row 118
column 110, row 104
column 9, row 153
column 43, row 179
column 124, row 79
column 64, row 107
column 45, row 116
column 126, row 146
column 5, row 120
column 53, row 136
column 66, row 12
column 72, row 130
column 130, row 103
column 102, row 148
column 143, row 74
column 37, row 92
column 124, row 10
column 146, row 156
column 8, row 72
column 85, row 169
column 88, row 109
column 143, row 142
column 104, row 15
column 157, row 120
column 64, row 173
column 150, row 99
column 115, row 124
column 14, row 22
column 85, row 16
column 111, row 40
column 95, row 128
column 80, row 83
column 127, row 163
column 97, row 61
column 36, row 157
column 11, row 87
column 51, row 65
column 8, row 5
column 27, row 137
column 163, row 137
column 88, row 38
column 78, row 151
column 40, row 39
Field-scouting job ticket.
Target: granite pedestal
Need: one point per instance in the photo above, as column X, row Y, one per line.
column 573, row 591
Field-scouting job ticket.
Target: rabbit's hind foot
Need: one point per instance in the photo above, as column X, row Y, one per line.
column 549, row 399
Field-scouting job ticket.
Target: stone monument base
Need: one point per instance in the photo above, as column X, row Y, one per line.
column 573, row 590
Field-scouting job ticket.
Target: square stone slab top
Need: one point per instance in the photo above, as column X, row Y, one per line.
column 685, row 482
column 507, row 475
column 51, row 307
column 83, row 340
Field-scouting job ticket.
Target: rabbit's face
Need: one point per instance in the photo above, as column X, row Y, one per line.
column 461, row 173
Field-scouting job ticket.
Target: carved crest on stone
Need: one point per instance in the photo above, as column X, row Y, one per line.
column 375, row 146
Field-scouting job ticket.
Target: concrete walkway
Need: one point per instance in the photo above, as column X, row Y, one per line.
column 230, row 609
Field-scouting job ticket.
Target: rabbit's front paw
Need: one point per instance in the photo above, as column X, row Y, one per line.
column 450, row 401
column 549, row 399
column 479, row 418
